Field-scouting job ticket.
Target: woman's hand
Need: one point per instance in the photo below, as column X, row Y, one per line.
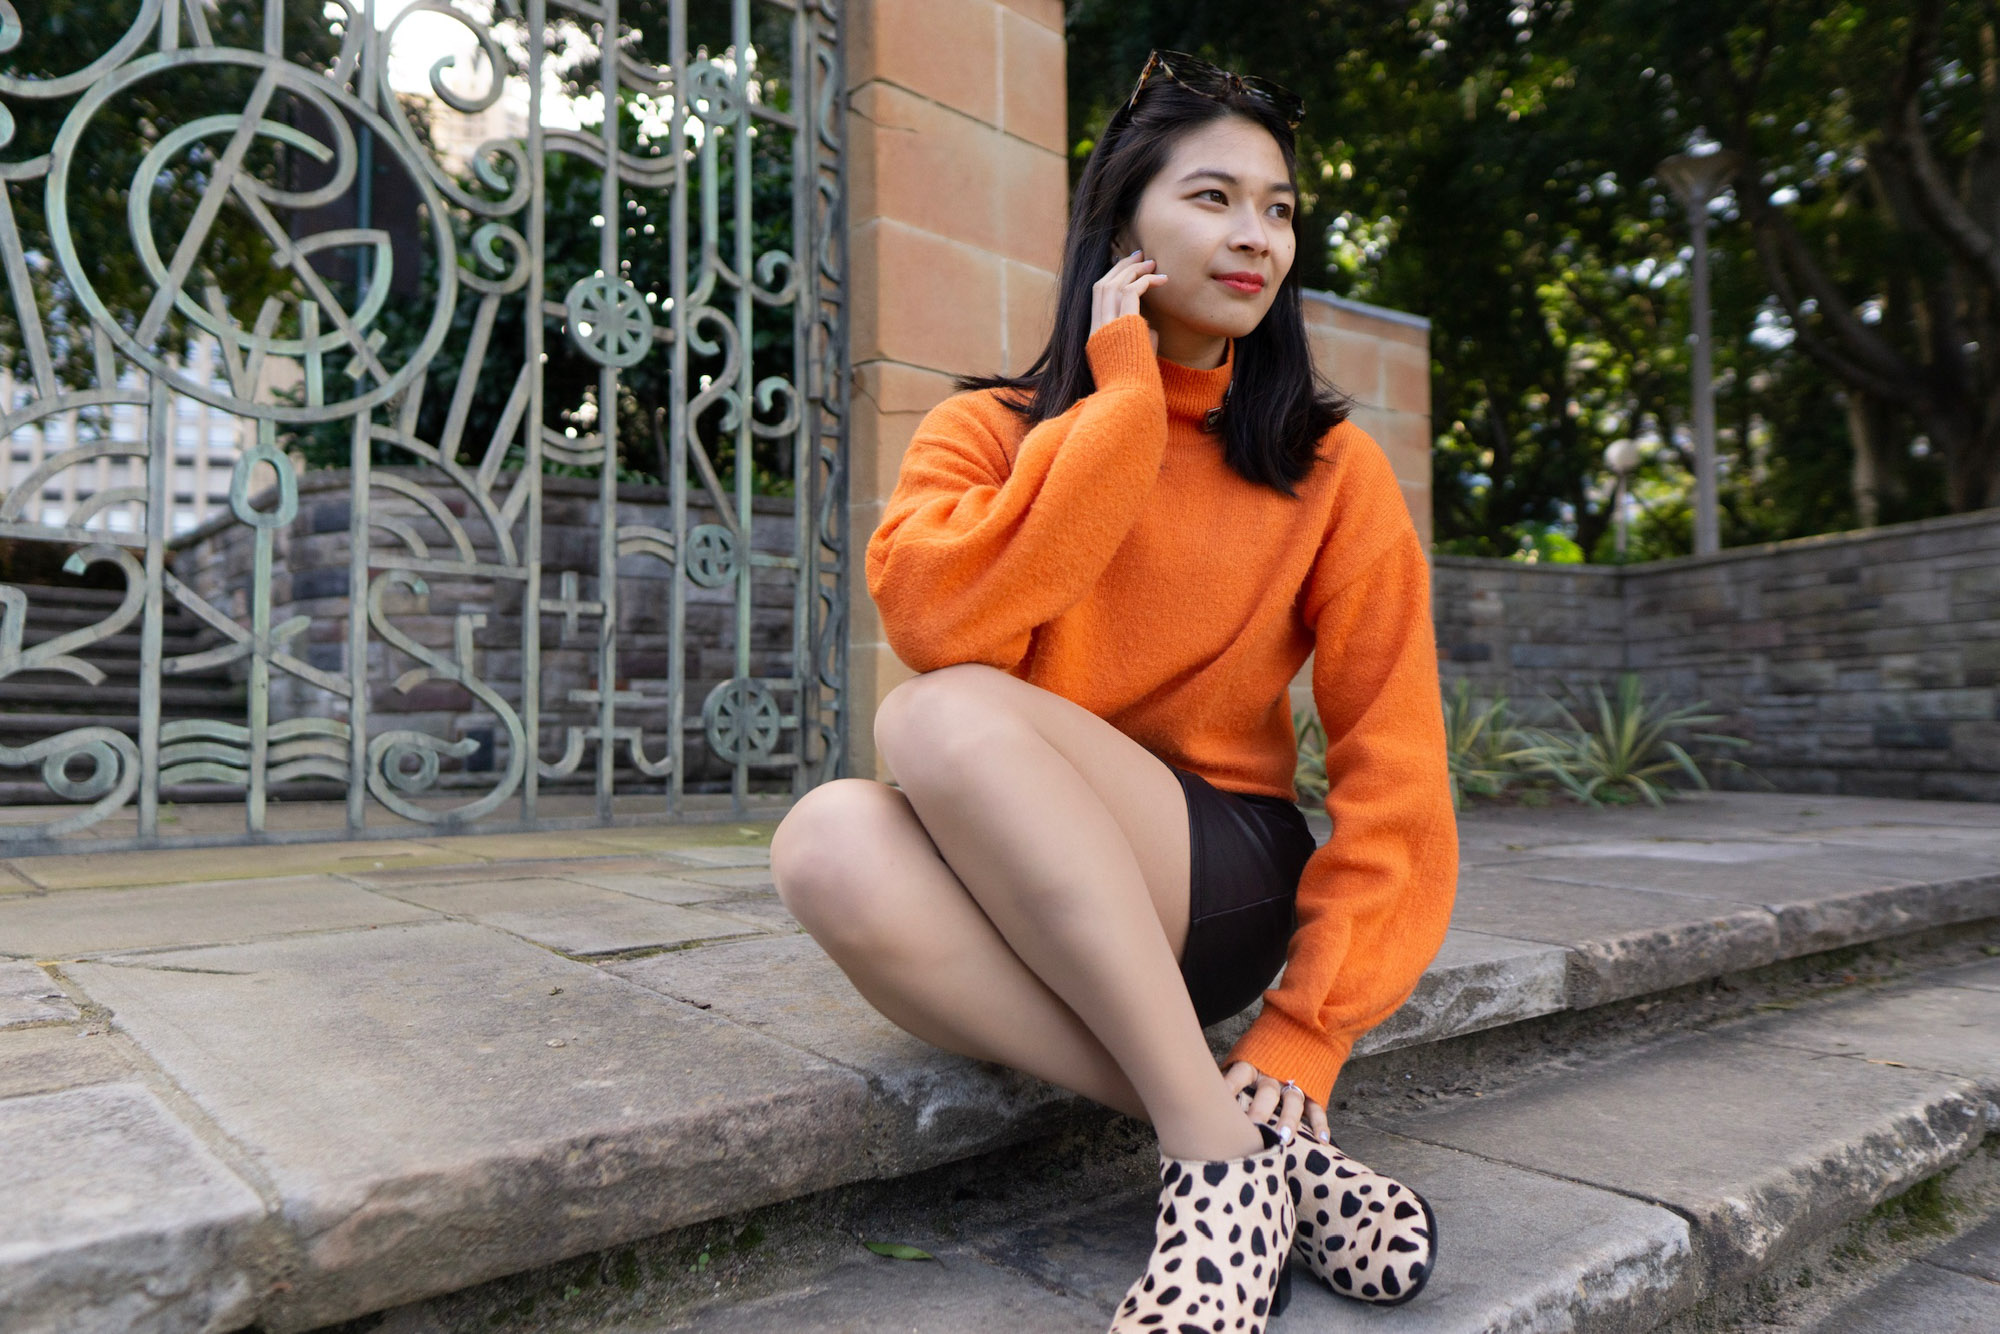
column 1259, row 1096
column 1118, row 291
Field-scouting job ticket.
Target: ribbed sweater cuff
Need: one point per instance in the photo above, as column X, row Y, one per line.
column 1283, row 1048
column 1121, row 354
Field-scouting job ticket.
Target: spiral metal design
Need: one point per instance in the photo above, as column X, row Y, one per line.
column 416, row 311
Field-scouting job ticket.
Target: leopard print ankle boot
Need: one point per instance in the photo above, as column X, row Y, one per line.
column 1362, row 1234
column 1222, row 1240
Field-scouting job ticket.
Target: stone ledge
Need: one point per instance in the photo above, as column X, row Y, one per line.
column 1751, row 1132
column 431, row 1103
column 1604, row 1199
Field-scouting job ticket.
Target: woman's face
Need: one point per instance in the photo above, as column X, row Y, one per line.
column 1217, row 220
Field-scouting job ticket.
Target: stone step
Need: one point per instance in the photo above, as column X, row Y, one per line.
column 179, row 635
column 31, row 725
column 1612, row 1195
column 75, row 607
column 190, row 693
column 402, row 1066
column 1955, row 1289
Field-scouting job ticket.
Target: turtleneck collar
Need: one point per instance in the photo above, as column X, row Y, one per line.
column 1192, row 392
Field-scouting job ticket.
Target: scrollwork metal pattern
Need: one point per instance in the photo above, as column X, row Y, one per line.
column 422, row 690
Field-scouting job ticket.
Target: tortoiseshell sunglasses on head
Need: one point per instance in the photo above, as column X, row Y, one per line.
column 1198, row 76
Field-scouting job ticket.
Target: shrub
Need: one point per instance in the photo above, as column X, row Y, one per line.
column 1619, row 758
column 1483, row 743
column 1627, row 748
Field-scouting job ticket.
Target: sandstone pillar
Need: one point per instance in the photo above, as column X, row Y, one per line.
column 957, row 195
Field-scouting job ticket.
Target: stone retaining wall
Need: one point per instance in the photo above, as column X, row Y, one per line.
column 1864, row 663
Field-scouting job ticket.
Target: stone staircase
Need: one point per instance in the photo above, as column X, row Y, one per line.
column 39, row 704
column 1662, row 1056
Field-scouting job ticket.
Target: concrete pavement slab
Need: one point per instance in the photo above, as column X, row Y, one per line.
column 1985, row 975
column 750, row 854
column 1622, row 942
column 1696, row 814
column 658, row 885
column 119, row 1219
column 512, row 868
column 1591, row 1259
column 573, row 918
column 1753, row 882
column 761, row 910
column 711, row 839
column 474, row 1105
column 1951, row 1029
column 111, row 870
column 1708, row 852
column 1920, row 1300
column 1761, row 1146
column 1909, row 838
column 1976, row 1253
column 1475, row 981
column 932, row 1105
column 1824, row 896
column 96, row 921
column 733, row 878
column 548, row 846
column 30, row 996
column 51, row 1059
column 959, row 1292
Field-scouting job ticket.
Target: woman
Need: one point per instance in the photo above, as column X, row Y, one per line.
column 1107, row 571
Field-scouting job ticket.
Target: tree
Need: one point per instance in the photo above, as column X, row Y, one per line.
column 1872, row 185
column 1491, row 167
column 59, row 39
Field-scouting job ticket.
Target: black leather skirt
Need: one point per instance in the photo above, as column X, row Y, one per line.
column 1246, row 853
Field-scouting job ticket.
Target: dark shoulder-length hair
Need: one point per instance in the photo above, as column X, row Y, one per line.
column 1279, row 407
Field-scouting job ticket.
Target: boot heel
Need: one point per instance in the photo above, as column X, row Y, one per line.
column 1283, row 1297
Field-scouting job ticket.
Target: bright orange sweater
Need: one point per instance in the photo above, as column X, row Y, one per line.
column 1110, row 555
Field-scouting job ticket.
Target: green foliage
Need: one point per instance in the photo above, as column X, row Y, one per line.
column 1483, row 744
column 58, row 39
column 896, row 1250
column 237, row 256
column 1619, row 758
column 1626, row 749
column 570, row 377
column 1927, row 1209
column 1492, row 168
column 1309, row 773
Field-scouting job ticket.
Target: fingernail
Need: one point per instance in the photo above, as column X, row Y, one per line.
column 1133, row 255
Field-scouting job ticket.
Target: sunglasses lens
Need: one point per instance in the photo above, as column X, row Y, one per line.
column 1199, row 76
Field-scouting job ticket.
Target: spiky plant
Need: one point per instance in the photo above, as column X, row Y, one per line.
column 1483, row 744
column 1627, row 749
column 1309, row 775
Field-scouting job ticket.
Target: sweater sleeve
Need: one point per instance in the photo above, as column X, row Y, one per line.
column 1375, row 898
column 974, row 552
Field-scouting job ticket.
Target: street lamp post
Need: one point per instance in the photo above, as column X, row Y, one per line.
column 1697, row 178
column 1622, row 456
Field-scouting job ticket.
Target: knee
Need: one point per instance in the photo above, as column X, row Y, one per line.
column 933, row 725
column 827, row 858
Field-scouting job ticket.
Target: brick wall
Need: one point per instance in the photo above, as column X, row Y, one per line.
column 1865, row 663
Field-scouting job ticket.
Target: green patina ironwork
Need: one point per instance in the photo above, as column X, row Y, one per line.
column 316, row 353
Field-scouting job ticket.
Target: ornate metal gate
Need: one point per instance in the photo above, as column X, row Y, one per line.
column 457, row 349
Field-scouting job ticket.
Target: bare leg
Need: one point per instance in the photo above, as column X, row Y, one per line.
column 1071, row 841
column 855, row 866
